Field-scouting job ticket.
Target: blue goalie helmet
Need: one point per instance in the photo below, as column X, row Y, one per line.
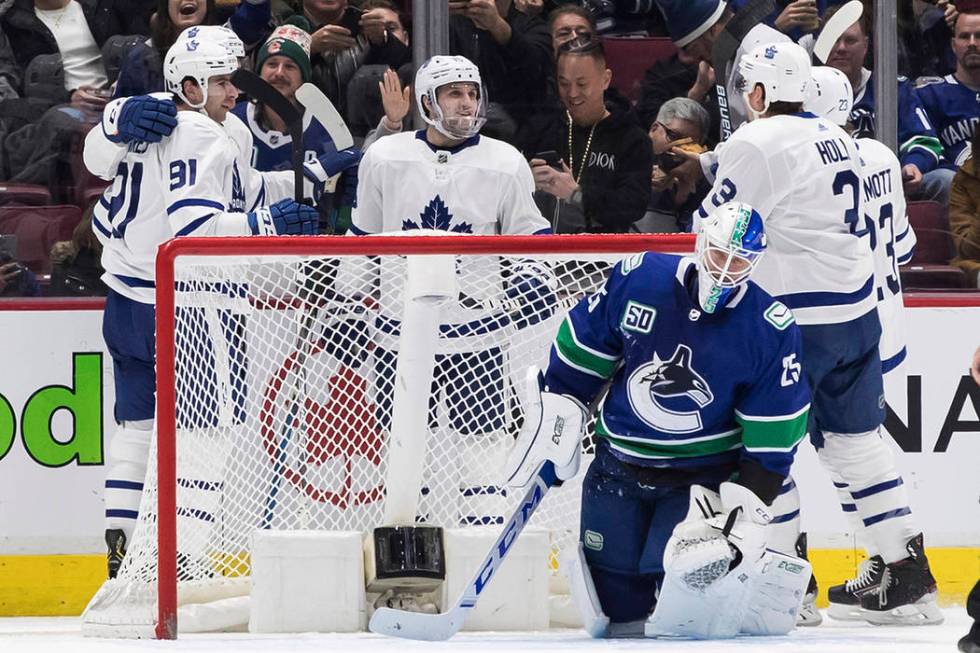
column 729, row 245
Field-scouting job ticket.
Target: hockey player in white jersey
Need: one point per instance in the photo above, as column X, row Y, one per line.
column 196, row 182
column 892, row 240
column 449, row 177
column 803, row 173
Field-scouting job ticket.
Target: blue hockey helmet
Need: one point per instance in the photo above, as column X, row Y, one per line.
column 729, row 245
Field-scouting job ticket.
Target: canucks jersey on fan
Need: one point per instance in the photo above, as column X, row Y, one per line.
column 808, row 191
column 892, row 241
column 272, row 150
column 954, row 108
column 917, row 141
column 189, row 184
column 690, row 389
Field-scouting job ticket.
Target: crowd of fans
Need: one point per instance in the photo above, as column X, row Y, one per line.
column 601, row 162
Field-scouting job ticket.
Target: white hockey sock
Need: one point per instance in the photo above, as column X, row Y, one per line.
column 866, row 464
column 200, row 484
column 785, row 525
column 849, row 507
column 125, row 475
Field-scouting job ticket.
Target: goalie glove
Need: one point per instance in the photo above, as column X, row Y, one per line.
column 553, row 429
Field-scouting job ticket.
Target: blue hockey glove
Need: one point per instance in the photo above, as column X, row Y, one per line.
column 328, row 165
column 284, row 218
column 531, row 300
column 145, row 119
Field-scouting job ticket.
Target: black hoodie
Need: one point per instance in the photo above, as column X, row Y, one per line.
column 615, row 184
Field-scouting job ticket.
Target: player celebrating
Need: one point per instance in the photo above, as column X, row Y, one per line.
column 196, row 182
column 804, row 174
column 451, row 178
column 892, row 241
column 685, row 414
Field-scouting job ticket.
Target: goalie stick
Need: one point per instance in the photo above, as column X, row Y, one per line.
column 439, row 627
column 326, row 114
column 834, row 28
column 724, row 49
column 262, row 91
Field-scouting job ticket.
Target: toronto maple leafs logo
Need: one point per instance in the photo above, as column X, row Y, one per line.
column 437, row 216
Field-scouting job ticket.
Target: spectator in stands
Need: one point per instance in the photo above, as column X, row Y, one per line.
column 964, row 214
column 142, row 69
column 345, row 39
column 601, row 182
column 567, row 22
column 920, row 151
column 284, row 62
column 529, row 7
column 951, row 102
column 679, row 76
column 76, row 264
column 15, row 279
column 513, row 53
column 793, row 17
column 75, row 29
column 10, row 73
column 681, row 122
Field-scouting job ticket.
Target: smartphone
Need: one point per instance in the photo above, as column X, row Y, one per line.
column 550, row 157
column 351, row 20
column 8, row 247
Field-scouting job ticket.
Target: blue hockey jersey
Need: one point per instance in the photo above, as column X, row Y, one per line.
column 917, row 141
column 689, row 389
column 272, row 150
column 954, row 110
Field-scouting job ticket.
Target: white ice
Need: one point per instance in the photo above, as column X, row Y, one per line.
column 34, row 635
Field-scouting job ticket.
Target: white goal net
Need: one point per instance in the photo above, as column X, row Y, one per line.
column 277, row 384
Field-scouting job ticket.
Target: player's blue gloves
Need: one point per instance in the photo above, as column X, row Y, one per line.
column 531, row 298
column 328, row 165
column 284, row 218
column 143, row 118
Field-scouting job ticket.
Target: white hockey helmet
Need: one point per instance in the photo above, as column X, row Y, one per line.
column 830, row 95
column 783, row 69
column 729, row 245
column 442, row 70
column 199, row 58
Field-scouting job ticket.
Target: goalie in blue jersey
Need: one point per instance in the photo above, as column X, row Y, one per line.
column 705, row 408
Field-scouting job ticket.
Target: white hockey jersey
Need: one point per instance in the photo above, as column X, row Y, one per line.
column 195, row 182
column 803, row 175
column 483, row 186
column 892, row 241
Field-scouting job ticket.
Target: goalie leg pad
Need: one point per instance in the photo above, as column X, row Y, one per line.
column 776, row 592
column 595, row 622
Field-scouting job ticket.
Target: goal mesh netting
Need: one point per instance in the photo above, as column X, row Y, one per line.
column 277, row 379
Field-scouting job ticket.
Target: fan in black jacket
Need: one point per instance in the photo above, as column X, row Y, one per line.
column 602, row 180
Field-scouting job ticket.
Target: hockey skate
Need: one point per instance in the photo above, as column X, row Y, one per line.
column 115, row 539
column 845, row 599
column 906, row 593
column 809, row 615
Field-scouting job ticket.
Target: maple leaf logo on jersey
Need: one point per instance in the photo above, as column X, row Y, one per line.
column 437, row 216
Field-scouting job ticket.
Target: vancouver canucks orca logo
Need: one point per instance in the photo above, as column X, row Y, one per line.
column 437, row 216
column 669, row 394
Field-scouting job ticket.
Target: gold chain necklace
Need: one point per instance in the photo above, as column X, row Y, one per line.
column 585, row 154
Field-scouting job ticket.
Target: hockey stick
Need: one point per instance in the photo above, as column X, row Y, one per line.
column 326, row 114
column 724, row 49
column 439, row 627
column 265, row 93
column 846, row 16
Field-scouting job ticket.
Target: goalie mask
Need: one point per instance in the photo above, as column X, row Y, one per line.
column 440, row 71
column 830, row 95
column 729, row 245
column 783, row 69
column 200, row 57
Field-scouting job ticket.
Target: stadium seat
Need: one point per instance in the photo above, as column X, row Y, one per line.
column 37, row 228
column 929, row 267
column 21, row 194
column 629, row 57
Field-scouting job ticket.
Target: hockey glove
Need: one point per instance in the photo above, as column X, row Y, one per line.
column 142, row 118
column 326, row 166
column 553, row 428
column 530, row 300
column 284, row 218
